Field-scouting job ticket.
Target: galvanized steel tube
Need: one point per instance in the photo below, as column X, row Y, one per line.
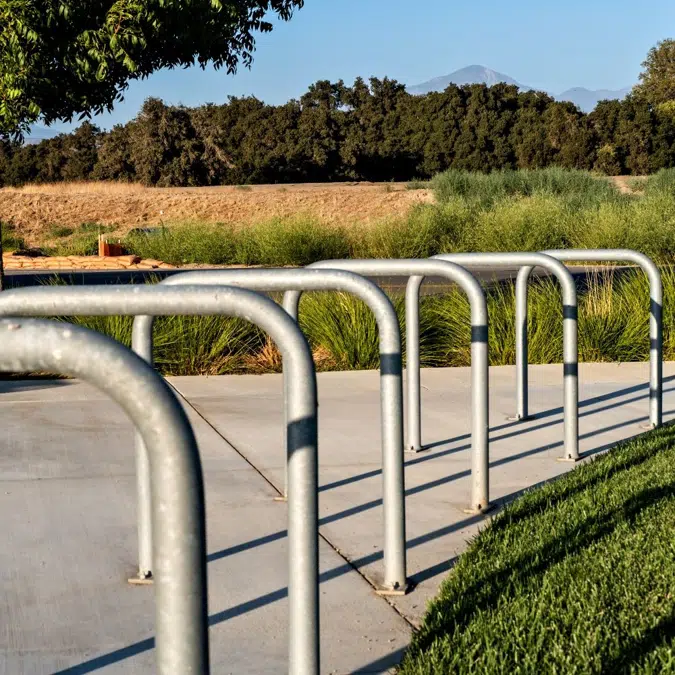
column 479, row 352
column 655, row 319
column 570, row 317
column 181, row 622
column 302, row 448
column 391, row 394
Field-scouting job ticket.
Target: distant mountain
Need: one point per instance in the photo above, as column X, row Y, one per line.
column 586, row 99
column 37, row 134
column 468, row 75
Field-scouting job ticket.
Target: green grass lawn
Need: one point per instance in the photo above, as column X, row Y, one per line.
column 575, row 577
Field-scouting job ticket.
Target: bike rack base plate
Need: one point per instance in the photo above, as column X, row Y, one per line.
column 141, row 581
column 401, row 590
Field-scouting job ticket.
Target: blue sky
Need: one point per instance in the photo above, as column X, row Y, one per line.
column 548, row 45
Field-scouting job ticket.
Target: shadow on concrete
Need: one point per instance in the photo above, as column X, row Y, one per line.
column 529, row 567
column 385, row 664
column 267, row 539
column 533, row 565
column 393, row 659
column 559, row 411
column 12, row 385
column 145, row 645
column 523, row 429
column 109, row 659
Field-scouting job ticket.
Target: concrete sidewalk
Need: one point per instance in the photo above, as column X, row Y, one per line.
column 68, row 502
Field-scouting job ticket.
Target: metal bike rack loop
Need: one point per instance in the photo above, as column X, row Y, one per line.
column 391, row 386
column 181, row 617
column 479, row 355
column 301, row 429
column 570, row 337
column 655, row 321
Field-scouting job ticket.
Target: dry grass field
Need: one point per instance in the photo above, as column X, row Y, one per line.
column 36, row 209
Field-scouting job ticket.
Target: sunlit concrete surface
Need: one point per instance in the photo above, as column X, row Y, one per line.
column 67, row 498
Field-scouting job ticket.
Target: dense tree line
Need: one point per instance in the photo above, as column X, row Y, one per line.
column 372, row 131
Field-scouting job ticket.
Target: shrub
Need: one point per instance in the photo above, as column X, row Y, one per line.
column 10, row 240
column 289, row 241
column 60, row 231
column 186, row 243
column 343, row 326
column 487, row 189
column 188, row 345
column 516, row 224
column 662, row 182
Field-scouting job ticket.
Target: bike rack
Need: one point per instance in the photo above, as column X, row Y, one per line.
column 301, row 435
column 479, row 354
column 655, row 321
column 391, row 386
column 181, row 617
column 570, row 337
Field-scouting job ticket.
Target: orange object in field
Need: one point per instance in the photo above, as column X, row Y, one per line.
column 105, row 249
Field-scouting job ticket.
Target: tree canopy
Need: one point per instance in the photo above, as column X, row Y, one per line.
column 657, row 80
column 60, row 59
column 373, row 131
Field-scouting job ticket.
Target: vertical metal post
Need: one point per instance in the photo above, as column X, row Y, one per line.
column 393, row 471
column 178, row 495
column 303, row 497
column 656, row 348
column 522, row 348
column 143, row 496
column 391, row 424
column 413, row 364
column 143, row 501
column 571, row 374
column 480, row 404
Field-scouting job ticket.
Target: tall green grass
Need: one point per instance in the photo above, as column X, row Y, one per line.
column 487, row 189
column 188, row 345
column 613, row 326
column 502, row 211
column 278, row 242
column 613, row 321
column 662, row 182
column 294, row 241
column 186, row 243
column 343, row 327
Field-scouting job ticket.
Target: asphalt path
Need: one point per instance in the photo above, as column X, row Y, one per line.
column 432, row 285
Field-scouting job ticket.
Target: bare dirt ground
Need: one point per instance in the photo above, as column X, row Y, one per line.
column 34, row 209
column 626, row 184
